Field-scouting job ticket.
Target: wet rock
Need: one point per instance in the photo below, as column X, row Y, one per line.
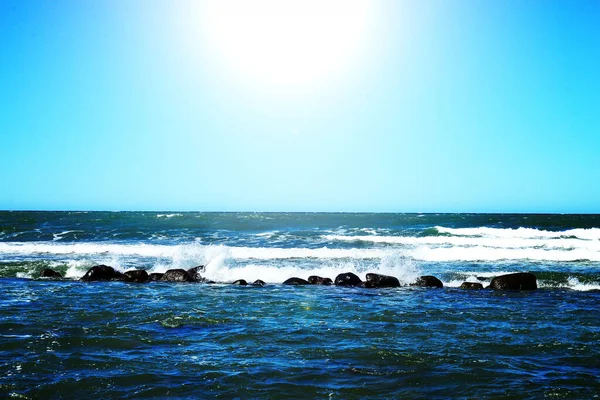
column 176, row 275
column 102, row 273
column 295, row 281
column 240, row 282
column 381, row 281
column 50, row 273
column 518, row 281
column 429, row 281
column 347, row 279
column 317, row 280
column 136, row 275
column 471, row 286
column 258, row 282
column 155, row 276
column 194, row 273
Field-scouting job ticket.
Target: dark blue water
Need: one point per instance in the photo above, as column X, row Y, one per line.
column 72, row 339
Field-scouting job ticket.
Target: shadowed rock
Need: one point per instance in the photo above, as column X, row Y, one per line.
column 258, row 282
column 136, row 275
column 176, row 275
column 518, row 281
column 295, row 281
column 155, row 276
column 381, row 281
column 240, row 282
column 429, row 281
column 194, row 273
column 317, row 280
column 471, row 286
column 50, row 273
column 102, row 273
column 347, row 279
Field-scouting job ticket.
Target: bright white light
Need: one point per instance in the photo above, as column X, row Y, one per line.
column 283, row 43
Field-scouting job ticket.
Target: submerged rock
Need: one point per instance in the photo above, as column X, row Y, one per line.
column 240, row 282
column 471, row 286
column 50, row 273
column 258, row 282
column 518, row 281
column 429, row 281
column 102, row 273
column 347, row 279
column 194, row 273
column 381, row 281
column 136, row 275
column 295, row 281
column 317, row 280
column 155, row 276
column 176, row 275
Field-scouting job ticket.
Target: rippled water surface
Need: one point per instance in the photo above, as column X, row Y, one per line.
column 69, row 339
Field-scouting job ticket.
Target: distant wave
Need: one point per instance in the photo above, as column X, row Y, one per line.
column 489, row 244
column 499, row 242
column 168, row 215
column 522, row 233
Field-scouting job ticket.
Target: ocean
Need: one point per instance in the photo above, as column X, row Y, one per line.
column 72, row 339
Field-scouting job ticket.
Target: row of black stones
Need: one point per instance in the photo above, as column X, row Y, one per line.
column 517, row 281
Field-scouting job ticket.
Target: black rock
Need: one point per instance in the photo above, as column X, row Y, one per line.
column 176, row 275
column 295, row 281
column 240, row 282
column 317, row 280
column 102, row 273
column 258, row 282
column 50, row 273
column 347, row 279
column 471, row 285
column 518, row 281
column 155, row 276
column 136, row 275
column 194, row 273
column 429, row 281
column 381, row 281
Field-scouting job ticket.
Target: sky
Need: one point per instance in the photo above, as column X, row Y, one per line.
column 379, row 106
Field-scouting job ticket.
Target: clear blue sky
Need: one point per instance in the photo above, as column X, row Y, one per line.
column 443, row 106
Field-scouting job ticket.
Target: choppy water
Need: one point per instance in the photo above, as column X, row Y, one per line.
column 72, row 339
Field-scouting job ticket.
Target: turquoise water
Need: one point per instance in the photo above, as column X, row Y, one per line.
column 73, row 339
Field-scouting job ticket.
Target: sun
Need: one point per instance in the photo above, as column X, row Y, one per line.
column 284, row 43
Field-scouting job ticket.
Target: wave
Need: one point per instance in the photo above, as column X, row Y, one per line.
column 514, row 243
column 522, row 233
column 437, row 249
column 154, row 250
column 168, row 215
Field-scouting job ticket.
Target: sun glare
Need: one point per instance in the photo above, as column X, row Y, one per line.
column 278, row 43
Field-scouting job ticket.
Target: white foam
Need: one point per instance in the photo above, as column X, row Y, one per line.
column 185, row 250
column 168, row 215
column 525, row 233
column 500, row 242
column 59, row 236
column 218, row 270
column 436, row 249
column 573, row 284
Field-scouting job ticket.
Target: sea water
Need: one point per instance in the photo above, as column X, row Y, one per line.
column 70, row 339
